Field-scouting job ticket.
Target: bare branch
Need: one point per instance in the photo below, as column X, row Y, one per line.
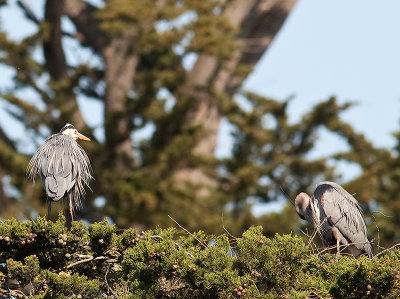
column 316, row 231
column 387, row 249
column 379, row 212
column 30, row 15
column 90, row 258
column 193, row 236
column 286, row 195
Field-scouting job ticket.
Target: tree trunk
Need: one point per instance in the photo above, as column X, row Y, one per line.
column 120, row 70
column 57, row 66
column 258, row 23
column 120, row 67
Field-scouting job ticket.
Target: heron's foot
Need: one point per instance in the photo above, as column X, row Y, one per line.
column 72, row 213
column 337, row 251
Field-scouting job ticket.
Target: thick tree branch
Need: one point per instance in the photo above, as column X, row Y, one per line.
column 121, row 68
column 207, row 65
column 53, row 51
column 259, row 21
column 204, row 71
column 257, row 31
column 57, row 66
column 81, row 14
column 28, row 12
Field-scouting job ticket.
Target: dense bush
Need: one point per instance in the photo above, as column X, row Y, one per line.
column 44, row 259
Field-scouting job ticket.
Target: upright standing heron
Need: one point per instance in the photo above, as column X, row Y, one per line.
column 63, row 166
column 337, row 216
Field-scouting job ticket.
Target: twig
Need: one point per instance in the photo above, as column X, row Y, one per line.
column 387, row 249
column 379, row 212
column 105, row 278
column 316, row 230
column 90, row 258
column 254, row 283
column 309, row 245
column 379, row 247
column 233, row 239
column 28, row 12
column 304, row 233
column 175, row 243
column 189, row 254
column 286, row 195
column 228, row 233
column 377, row 228
column 79, row 262
column 193, row 236
column 344, row 246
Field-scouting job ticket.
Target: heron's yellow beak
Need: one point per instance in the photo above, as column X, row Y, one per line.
column 83, row 137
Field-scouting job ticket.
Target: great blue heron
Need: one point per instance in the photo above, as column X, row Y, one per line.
column 63, row 167
column 337, row 216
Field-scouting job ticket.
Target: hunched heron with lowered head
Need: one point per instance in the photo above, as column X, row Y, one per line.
column 63, row 166
column 337, row 216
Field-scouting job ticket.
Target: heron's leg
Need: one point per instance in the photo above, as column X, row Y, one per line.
column 70, row 208
column 335, row 233
column 337, row 249
column 48, row 209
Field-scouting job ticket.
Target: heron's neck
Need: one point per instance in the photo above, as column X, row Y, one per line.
column 314, row 207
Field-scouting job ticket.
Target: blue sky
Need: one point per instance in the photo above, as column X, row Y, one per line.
column 349, row 49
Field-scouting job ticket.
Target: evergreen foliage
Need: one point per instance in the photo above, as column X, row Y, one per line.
column 140, row 77
column 101, row 261
column 138, row 72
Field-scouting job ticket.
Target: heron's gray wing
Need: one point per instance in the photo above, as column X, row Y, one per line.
column 56, row 171
column 343, row 212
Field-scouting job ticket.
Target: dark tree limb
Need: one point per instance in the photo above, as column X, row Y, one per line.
column 258, row 22
column 53, row 51
column 30, row 15
column 121, row 68
column 257, row 31
column 121, row 65
column 81, row 14
column 57, row 66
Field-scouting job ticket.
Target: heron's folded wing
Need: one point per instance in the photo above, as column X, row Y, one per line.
column 57, row 170
column 51, row 187
column 344, row 212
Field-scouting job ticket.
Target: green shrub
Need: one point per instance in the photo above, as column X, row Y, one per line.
column 101, row 261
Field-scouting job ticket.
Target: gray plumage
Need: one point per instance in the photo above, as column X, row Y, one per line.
column 63, row 166
column 344, row 222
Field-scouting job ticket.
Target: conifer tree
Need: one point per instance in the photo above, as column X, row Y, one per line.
column 141, row 70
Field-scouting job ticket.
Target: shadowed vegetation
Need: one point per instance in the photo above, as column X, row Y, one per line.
column 47, row 260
